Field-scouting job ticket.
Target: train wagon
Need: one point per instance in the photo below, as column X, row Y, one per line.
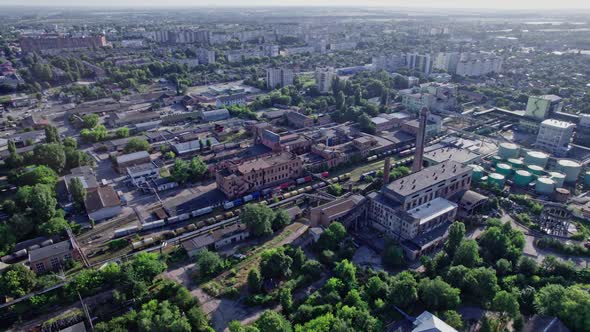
column 202, row 211
column 125, row 231
column 152, row 225
column 142, row 243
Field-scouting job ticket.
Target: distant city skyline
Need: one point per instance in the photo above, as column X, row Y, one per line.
column 467, row 4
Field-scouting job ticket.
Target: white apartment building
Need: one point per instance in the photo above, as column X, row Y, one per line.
column 447, row 61
column 555, row 136
column 323, row 78
column 419, row 62
column 278, row 77
column 480, row 66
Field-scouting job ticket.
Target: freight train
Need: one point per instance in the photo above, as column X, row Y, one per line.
column 121, row 232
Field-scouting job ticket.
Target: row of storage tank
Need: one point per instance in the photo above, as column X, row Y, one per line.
column 531, row 169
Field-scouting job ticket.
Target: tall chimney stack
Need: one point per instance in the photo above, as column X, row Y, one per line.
column 386, row 170
column 420, row 141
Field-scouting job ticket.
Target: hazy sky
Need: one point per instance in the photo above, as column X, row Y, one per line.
column 492, row 4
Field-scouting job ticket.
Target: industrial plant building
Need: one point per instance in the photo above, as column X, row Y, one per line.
column 236, row 179
column 417, row 209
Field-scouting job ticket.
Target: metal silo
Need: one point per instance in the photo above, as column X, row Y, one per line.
column 504, row 169
column 508, row 150
column 570, row 168
column 544, row 186
column 496, row 179
column 559, row 178
column 536, row 158
column 523, row 178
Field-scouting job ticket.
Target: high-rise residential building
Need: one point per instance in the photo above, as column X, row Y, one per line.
column 542, row 107
column 555, row 136
column 583, row 130
column 417, row 209
column 447, row 61
column 205, row 56
column 478, row 64
column 278, row 77
column 388, row 62
column 419, row 62
column 44, row 42
column 323, row 78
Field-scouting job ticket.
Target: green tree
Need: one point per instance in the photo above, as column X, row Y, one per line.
column 51, row 134
column 258, row 218
column 335, row 189
column 366, row 125
column 70, row 142
column 456, row 235
column 332, row 236
column 180, row 171
column 54, row 226
column 77, row 158
column 90, row 121
column 503, row 266
column 52, row 155
column 346, row 271
column 21, row 224
column 254, row 281
column 467, row 254
column 162, row 316
column 33, row 175
column 501, row 242
column 376, row 288
column 7, row 238
column 122, row 132
column 281, row 219
column 403, row 290
column 286, row 299
column 198, row 320
column 275, row 264
column 42, row 201
column 527, row 266
column 17, row 280
column 209, row 263
column 136, row 144
column 271, row 321
column 436, row 294
column 481, row 283
column 453, row 318
column 506, row 303
column 77, row 191
column 197, row 168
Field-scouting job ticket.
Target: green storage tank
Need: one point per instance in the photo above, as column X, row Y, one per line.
column 477, row 173
column 536, row 158
column 497, row 180
column 504, row 169
column 535, row 170
column 587, row 178
column 516, row 163
column 496, row 160
column 508, row 150
column 523, row 178
column 559, row 179
column 544, row 186
column 570, row 168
